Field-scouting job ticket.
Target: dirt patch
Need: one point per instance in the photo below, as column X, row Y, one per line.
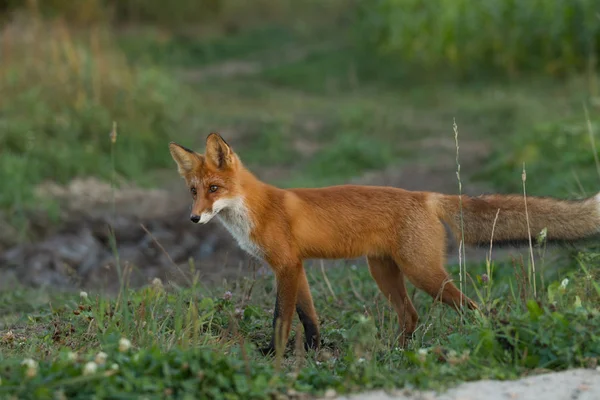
column 148, row 235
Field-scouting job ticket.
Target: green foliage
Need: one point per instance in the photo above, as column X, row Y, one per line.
column 180, row 50
column 154, row 11
column 536, row 339
column 554, row 339
column 186, row 374
column 269, row 145
column 560, row 148
column 60, row 96
column 475, row 38
column 190, row 342
column 350, row 152
column 323, row 71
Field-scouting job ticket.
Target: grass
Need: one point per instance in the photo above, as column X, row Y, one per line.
column 562, row 148
column 201, row 341
column 62, row 90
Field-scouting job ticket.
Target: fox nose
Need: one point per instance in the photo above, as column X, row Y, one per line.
column 195, row 218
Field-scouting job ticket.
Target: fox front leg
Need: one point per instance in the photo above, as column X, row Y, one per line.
column 306, row 312
column 285, row 304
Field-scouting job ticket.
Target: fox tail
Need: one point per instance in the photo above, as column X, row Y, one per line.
column 511, row 222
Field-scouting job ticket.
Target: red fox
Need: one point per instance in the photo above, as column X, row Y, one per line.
column 400, row 232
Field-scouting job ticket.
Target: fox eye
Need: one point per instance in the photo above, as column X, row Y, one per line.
column 213, row 188
column 193, row 190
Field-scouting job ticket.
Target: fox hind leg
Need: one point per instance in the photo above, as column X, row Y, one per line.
column 421, row 257
column 390, row 280
column 430, row 276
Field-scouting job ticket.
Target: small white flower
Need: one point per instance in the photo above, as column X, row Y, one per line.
column 361, row 360
column 101, row 358
column 90, row 368
column 71, row 356
column 157, row 282
column 83, row 295
column 32, row 367
column 114, row 367
column 564, row 283
column 60, row 395
column 423, row 352
column 9, row 336
column 124, row 345
column 30, row 363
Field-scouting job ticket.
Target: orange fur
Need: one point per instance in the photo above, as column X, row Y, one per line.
column 400, row 232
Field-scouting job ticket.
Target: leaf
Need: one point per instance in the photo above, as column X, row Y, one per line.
column 553, row 291
column 241, row 383
column 535, row 310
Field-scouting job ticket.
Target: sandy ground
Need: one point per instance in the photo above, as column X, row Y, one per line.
column 576, row 384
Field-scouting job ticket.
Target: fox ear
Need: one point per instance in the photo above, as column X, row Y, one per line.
column 218, row 151
column 185, row 158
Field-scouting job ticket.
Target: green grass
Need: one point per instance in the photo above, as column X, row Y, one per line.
column 61, row 93
column 180, row 50
column 562, row 149
column 489, row 38
column 197, row 341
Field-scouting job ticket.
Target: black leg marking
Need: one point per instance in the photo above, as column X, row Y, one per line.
column 311, row 330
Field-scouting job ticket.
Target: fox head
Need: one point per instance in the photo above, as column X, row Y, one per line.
column 210, row 177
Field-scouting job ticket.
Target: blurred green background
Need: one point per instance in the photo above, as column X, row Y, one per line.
column 308, row 92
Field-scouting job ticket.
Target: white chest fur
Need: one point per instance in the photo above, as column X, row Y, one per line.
column 237, row 221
